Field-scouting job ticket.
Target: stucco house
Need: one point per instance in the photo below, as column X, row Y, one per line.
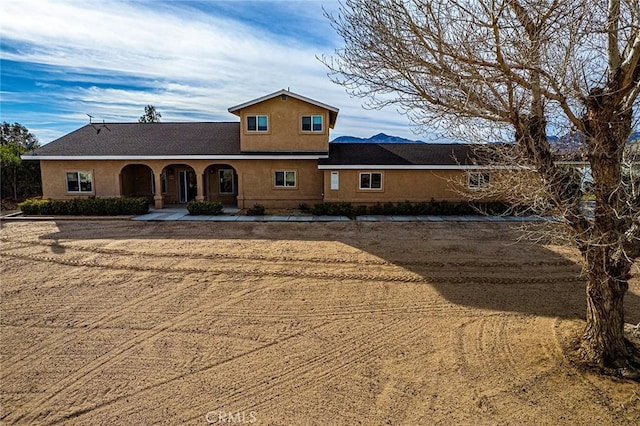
column 277, row 155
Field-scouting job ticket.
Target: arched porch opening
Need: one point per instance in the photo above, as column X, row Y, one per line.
column 136, row 180
column 221, row 184
column 180, row 183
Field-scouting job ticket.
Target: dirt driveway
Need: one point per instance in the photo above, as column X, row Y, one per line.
column 120, row 322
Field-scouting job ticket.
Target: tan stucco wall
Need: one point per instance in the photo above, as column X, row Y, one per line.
column 106, row 179
column 255, row 182
column 258, row 185
column 106, row 176
column 284, row 124
column 397, row 186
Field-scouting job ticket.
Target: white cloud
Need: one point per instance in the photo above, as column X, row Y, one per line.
column 188, row 63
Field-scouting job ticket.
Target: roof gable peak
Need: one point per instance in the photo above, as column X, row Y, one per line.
column 283, row 92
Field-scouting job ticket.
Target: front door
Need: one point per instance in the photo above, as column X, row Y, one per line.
column 226, row 184
column 183, row 186
column 187, row 188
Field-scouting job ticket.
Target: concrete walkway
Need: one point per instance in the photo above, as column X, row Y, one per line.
column 230, row 215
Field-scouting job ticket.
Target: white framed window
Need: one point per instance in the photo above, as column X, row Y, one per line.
column 285, row 179
column 257, row 123
column 370, row 180
column 79, row 182
column 477, row 180
column 312, row 123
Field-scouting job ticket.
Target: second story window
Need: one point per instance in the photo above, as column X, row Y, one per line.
column 312, row 123
column 257, row 123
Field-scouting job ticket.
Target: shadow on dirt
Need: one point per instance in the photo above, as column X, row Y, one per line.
column 480, row 265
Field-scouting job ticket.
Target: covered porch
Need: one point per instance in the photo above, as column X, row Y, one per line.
column 176, row 184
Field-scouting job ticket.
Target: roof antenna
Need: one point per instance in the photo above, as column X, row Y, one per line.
column 97, row 128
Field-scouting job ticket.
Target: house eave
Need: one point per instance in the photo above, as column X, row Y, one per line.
column 412, row 167
column 176, row 157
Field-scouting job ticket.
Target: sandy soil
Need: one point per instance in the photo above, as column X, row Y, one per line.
column 119, row 322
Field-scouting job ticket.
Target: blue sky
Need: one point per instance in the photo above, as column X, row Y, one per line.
column 192, row 60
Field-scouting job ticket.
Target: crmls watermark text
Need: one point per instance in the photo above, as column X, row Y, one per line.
column 231, row 418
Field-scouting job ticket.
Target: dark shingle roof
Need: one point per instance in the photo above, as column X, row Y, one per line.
column 181, row 139
column 140, row 139
column 406, row 154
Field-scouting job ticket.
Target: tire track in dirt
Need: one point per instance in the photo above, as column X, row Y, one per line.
column 119, row 312
column 232, row 269
column 299, row 272
column 490, row 347
column 344, row 311
column 316, row 371
column 255, row 257
column 147, row 389
column 563, row 347
column 253, row 375
column 36, row 410
column 370, row 343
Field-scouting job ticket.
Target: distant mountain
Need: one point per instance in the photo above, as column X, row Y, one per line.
column 566, row 143
column 379, row 138
column 574, row 142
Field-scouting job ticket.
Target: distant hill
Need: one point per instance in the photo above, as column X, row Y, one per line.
column 379, row 138
column 562, row 144
column 573, row 142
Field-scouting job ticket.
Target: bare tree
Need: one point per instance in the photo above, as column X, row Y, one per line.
column 490, row 69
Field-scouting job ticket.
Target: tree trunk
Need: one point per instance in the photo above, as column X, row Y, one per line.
column 607, row 266
column 603, row 341
column 15, row 184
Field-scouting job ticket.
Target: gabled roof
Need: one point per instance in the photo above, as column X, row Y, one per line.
column 399, row 156
column 145, row 139
column 333, row 111
column 156, row 141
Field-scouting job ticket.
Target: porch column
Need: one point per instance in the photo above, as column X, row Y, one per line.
column 158, row 199
column 240, row 197
column 199, row 170
column 200, row 186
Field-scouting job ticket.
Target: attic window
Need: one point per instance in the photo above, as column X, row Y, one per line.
column 312, row 123
column 257, row 123
column 283, row 97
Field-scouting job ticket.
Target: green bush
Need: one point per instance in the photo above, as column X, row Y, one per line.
column 333, row 209
column 406, row 208
column 32, row 206
column 256, row 210
column 360, row 210
column 204, row 208
column 376, row 209
column 86, row 206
